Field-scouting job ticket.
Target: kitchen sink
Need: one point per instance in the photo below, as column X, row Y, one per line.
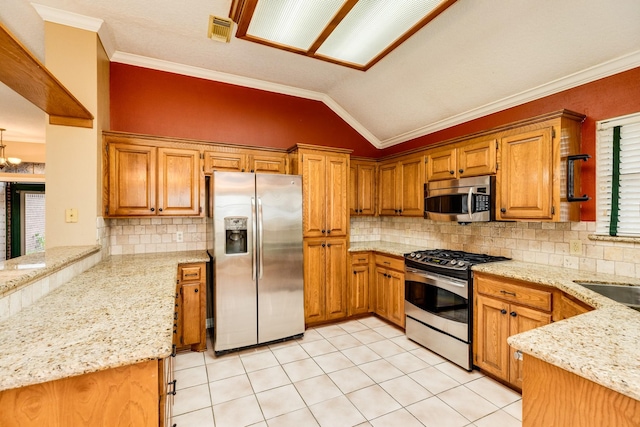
column 624, row 294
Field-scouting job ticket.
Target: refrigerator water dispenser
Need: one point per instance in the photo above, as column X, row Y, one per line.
column 236, row 235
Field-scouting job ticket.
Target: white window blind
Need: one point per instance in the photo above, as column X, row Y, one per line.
column 618, row 176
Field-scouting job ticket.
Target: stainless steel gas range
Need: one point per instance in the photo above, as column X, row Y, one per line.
column 439, row 301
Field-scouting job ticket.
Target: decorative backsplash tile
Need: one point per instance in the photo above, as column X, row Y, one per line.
column 152, row 235
column 537, row 242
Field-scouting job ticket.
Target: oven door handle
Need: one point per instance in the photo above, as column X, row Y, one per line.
column 451, row 284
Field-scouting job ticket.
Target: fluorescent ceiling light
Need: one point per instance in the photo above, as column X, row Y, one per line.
column 355, row 33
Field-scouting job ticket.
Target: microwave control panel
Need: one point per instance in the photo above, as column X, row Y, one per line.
column 482, row 203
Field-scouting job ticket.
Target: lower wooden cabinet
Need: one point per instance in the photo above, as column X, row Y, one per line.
column 167, row 389
column 504, row 308
column 325, row 279
column 389, row 288
column 191, row 307
column 124, row 396
column 565, row 306
column 359, row 284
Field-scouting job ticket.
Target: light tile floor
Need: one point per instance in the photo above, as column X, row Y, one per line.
column 356, row 373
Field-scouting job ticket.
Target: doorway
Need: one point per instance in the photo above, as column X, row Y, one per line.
column 25, row 219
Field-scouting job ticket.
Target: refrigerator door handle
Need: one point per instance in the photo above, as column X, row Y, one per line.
column 255, row 236
column 260, row 237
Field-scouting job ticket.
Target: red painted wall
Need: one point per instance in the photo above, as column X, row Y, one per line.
column 165, row 104
column 160, row 103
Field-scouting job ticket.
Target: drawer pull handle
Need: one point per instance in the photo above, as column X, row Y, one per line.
column 190, row 274
column 503, row 292
column 503, row 311
column 513, row 314
column 362, row 259
column 387, row 262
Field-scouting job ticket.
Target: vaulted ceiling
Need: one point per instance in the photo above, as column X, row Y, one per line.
column 475, row 58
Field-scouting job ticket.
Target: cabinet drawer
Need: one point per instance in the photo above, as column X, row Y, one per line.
column 190, row 273
column 512, row 292
column 389, row 262
column 360, row 258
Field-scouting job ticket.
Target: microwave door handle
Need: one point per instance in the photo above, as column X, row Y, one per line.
column 470, row 203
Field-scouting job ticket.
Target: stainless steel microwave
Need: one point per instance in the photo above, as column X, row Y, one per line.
column 462, row 200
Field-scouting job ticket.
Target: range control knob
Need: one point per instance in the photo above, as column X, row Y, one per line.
column 418, row 256
column 412, row 254
column 454, row 262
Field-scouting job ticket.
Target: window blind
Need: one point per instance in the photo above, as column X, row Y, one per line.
column 618, row 176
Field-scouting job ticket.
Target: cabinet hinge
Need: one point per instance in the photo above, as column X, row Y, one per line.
column 106, row 147
column 106, row 210
column 202, row 156
column 553, row 210
column 200, row 209
column 553, row 133
column 496, row 144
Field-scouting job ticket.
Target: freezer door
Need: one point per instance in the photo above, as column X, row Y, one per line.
column 235, row 275
column 280, row 283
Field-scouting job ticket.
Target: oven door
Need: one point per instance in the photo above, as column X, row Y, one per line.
column 438, row 301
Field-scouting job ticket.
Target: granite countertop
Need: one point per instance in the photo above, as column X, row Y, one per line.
column 601, row 345
column 117, row 313
column 17, row 272
column 397, row 249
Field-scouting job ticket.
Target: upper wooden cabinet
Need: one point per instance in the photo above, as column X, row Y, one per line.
column 531, row 179
column 324, row 190
column 472, row 158
column 362, row 185
column 235, row 160
column 145, row 181
column 401, row 186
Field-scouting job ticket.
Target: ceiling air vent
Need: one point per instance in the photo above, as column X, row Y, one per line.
column 220, row 29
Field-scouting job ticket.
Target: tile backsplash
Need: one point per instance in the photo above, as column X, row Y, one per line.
column 537, row 242
column 151, row 235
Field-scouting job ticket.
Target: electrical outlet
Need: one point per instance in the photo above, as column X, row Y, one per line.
column 575, row 247
column 179, row 237
column 71, row 215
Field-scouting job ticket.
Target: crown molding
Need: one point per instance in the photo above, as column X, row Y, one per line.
column 187, row 70
column 76, row 20
column 588, row 75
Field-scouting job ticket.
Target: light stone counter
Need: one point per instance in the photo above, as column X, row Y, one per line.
column 18, row 272
column 397, row 249
column 602, row 346
column 117, row 313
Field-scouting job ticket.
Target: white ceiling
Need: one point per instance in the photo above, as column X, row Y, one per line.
column 478, row 57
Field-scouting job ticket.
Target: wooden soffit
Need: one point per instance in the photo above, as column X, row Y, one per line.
column 23, row 73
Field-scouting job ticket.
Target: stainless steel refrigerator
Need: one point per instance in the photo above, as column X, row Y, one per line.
column 257, row 265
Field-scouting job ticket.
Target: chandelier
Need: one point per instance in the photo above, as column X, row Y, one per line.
column 4, row 161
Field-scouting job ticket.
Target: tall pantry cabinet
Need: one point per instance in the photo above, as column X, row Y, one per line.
column 325, row 224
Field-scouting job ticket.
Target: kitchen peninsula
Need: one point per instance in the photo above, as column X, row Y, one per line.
column 108, row 326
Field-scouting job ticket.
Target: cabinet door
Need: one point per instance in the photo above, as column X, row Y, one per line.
column 477, row 158
column 492, row 330
column 524, row 180
column 132, row 180
column 353, row 190
column 314, row 193
column 522, row 319
column 178, row 182
column 387, row 189
column 265, row 163
column 382, row 291
column 314, row 280
column 336, row 278
column 366, row 189
column 191, row 320
column 441, row 164
column 359, row 289
column 412, row 186
column 337, row 209
column 395, row 298
column 226, row 162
